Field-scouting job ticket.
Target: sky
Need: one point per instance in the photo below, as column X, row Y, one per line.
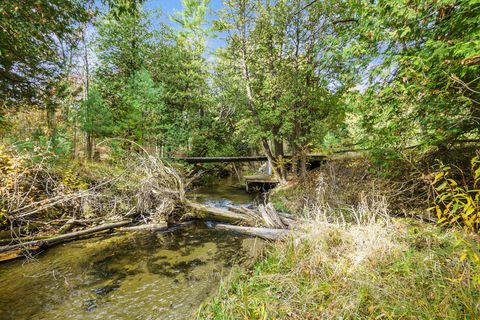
column 168, row 7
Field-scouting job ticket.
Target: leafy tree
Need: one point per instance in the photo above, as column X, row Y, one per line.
column 288, row 56
column 179, row 64
column 144, row 102
column 424, row 72
column 124, row 44
column 34, row 41
column 96, row 119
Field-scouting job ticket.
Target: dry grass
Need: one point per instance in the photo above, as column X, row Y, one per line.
column 400, row 269
column 344, row 185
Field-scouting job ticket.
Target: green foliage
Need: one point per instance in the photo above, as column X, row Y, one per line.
column 96, row 118
column 155, row 82
column 457, row 201
column 129, row 98
column 123, row 44
column 285, row 66
column 72, row 180
column 422, row 62
column 34, row 40
column 143, row 101
column 192, row 17
column 119, row 8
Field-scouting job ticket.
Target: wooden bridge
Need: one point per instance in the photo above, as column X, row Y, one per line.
column 254, row 182
column 310, row 157
column 221, row 159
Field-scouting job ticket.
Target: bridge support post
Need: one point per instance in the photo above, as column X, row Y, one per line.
column 269, row 168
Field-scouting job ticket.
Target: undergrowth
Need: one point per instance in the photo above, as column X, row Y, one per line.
column 457, row 200
column 406, row 270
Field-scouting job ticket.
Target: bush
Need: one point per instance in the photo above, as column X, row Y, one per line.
column 457, row 199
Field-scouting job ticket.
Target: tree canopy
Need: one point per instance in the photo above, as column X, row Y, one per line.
column 292, row 76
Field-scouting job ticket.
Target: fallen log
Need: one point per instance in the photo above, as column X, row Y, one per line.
column 22, row 239
column 67, row 226
column 287, row 219
column 146, row 227
column 11, row 255
column 200, row 211
column 264, row 233
column 270, row 216
column 243, row 210
column 64, row 237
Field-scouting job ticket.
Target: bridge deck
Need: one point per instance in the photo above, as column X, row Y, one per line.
column 239, row 159
column 260, row 182
column 221, row 159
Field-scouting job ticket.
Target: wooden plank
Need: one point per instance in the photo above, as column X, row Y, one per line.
column 221, row 159
column 238, row 159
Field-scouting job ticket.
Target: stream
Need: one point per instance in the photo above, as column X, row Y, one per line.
column 136, row 275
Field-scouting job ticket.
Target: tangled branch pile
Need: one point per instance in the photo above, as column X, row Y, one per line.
column 40, row 197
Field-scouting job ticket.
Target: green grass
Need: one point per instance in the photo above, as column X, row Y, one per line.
column 400, row 270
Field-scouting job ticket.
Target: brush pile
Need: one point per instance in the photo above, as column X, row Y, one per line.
column 38, row 197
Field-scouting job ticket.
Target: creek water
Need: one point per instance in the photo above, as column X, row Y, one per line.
column 137, row 275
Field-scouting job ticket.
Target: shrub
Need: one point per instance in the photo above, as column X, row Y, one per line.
column 457, row 198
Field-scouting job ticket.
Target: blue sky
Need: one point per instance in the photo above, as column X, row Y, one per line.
column 168, row 7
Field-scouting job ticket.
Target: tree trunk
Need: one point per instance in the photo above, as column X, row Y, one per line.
column 303, row 164
column 273, row 160
column 51, row 123
column 200, row 211
column 280, row 154
column 251, row 100
column 146, row 227
column 75, row 139
column 86, row 88
column 89, row 146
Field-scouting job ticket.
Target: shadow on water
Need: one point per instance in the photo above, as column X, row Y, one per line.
column 141, row 275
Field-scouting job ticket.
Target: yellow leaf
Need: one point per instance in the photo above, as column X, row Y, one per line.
column 437, row 177
column 439, row 212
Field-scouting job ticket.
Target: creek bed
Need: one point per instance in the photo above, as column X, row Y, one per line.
column 137, row 275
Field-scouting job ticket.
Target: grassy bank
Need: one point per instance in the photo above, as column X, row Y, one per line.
column 403, row 269
column 349, row 259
